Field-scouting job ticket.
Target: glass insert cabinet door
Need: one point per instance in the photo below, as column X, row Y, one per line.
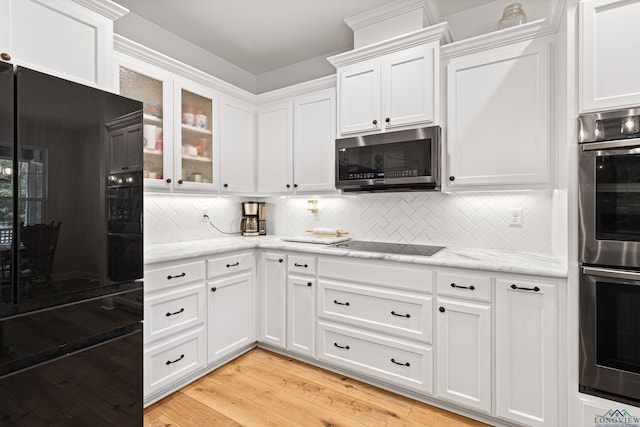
column 195, row 152
column 154, row 90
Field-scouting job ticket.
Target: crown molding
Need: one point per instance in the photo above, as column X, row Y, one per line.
column 106, row 8
column 383, row 13
column 528, row 31
column 328, row 82
column 432, row 12
column 150, row 56
column 439, row 33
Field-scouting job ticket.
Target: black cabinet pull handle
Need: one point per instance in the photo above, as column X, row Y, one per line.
column 441, row 310
column 288, row 185
column 233, row 265
column 175, row 277
column 534, row 289
column 453, row 285
column 301, row 265
column 335, row 301
column 124, row 168
column 280, row 260
column 176, row 312
column 452, row 178
column 401, row 364
column 5, row 56
column 214, row 289
column 168, row 180
column 180, row 181
column 295, row 185
column 226, row 185
column 346, row 347
column 401, row 315
column 309, row 284
column 169, row 362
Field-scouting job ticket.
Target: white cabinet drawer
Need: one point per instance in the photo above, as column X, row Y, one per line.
column 174, row 311
column 391, row 274
column 171, row 276
column 397, row 362
column 173, row 361
column 394, row 312
column 224, row 265
column 302, row 265
column 476, row 286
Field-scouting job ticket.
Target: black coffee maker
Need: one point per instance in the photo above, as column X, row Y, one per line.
column 254, row 219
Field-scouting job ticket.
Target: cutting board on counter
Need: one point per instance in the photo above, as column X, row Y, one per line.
column 321, row 240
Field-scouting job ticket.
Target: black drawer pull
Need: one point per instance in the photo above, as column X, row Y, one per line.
column 401, row 315
column 175, row 277
column 346, row 347
column 301, row 265
column 401, row 364
column 453, row 285
column 169, row 362
column 441, row 310
column 335, row 301
column 534, row 289
column 233, row 265
column 174, row 313
column 280, row 260
column 214, row 289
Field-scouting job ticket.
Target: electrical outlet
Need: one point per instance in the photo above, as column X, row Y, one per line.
column 515, row 217
column 205, row 217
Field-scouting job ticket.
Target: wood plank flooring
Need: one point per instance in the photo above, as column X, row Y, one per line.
column 262, row 388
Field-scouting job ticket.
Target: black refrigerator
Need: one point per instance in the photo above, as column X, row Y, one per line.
column 70, row 253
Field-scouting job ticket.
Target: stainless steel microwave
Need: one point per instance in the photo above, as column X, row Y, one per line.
column 393, row 161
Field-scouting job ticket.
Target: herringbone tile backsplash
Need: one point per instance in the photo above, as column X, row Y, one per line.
column 473, row 220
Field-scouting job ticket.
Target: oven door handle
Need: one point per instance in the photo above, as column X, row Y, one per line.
column 614, row 274
column 624, row 143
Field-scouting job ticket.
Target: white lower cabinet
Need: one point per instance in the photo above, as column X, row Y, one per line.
column 174, row 325
column 464, row 353
column 272, row 297
column 231, row 307
column 399, row 362
column 527, row 352
column 301, row 315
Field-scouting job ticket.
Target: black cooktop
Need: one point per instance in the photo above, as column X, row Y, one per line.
column 389, row 248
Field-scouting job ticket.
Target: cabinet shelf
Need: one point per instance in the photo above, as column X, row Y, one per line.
column 196, row 158
column 194, row 129
column 153, row 152
column 149, row 118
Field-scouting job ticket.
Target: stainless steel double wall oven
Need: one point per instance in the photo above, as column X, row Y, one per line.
column 609, row 229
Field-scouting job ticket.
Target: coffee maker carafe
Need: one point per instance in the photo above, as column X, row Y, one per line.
column 254, row 216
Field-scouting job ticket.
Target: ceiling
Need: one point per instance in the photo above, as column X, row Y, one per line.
column 259, row 35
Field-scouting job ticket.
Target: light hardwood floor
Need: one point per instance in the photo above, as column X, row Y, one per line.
column 262, row 388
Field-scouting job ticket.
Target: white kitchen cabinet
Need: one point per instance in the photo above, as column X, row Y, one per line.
column 62, row 38
column 608, row 68
column 527, row 352
column 464, row 353
column 499, row 107
column 394, row 90
column 195, row 154
column 301, row 305
column 231, row 306
column 125, row 140
column 296, row 144
column 237, row 146
column 174, row 325
column 272, row 295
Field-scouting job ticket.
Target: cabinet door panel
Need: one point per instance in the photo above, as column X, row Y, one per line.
column 464, row 353
column 498, row 114
column 301, row 315
column 608, row 72
column 275, row 139
column 408, row 84
column 314, row 142
column 359, row 98
column 273, row 299
column 230, row 320
column 237, row 146
column 526, row 352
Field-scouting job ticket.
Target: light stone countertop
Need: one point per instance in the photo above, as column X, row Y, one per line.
column 477, row 259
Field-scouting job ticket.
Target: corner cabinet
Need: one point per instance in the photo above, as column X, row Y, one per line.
column 238, row 146
column 499, row 118
column 608, row 68
column 296, row 143
column 390, row 85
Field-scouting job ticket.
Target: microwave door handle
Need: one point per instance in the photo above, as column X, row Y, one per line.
column 613, row 274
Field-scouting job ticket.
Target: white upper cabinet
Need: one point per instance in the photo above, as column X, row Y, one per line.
column 392, row 84
column 296, row 142
column 609, row 66
column 499, row 109
column 62, row 38
column 237, row 146
column 394, row 90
